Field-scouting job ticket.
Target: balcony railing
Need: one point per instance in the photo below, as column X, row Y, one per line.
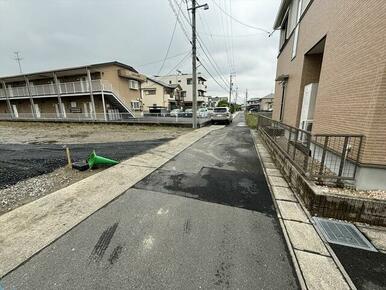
column 324, row 158
column 50, row 89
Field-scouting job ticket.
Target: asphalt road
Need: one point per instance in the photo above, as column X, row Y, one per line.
column 203, row 220
column 22, row 161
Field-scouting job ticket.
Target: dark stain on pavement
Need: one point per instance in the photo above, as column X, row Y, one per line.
column 366, row 269
column 234, row 188
column 115, row 254
column 103, row 243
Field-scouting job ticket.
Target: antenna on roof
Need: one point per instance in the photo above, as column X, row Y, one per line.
column 18, row 58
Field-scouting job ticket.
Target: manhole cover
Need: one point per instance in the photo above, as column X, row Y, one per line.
column 342, row 233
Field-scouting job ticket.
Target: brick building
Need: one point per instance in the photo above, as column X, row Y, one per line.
column 331, row 75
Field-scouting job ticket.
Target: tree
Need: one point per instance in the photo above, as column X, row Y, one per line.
column 223, row 103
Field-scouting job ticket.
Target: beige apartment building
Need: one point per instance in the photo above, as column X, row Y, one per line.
column 103, row 91
column 331, row 75
column 156, row 93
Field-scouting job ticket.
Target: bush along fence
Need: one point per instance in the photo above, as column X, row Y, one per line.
column 304, row 158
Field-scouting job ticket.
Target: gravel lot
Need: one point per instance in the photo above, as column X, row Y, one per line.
column 32, row 155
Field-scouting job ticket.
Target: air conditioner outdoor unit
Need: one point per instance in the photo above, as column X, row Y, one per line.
column 308, row 106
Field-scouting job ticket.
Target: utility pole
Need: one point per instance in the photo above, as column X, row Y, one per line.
column 246, row 98
column 194, row 59
column 230, row 89
column 18, row 58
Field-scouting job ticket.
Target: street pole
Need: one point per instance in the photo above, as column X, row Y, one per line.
column 246, row 98
column 230, row 89
column 194, row 64
column 194, row 59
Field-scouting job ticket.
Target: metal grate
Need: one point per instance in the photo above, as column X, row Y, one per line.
column 343, row 233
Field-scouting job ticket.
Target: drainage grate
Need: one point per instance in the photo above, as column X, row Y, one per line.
column 342, row 233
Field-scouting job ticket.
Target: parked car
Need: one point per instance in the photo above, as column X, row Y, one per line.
column 210, row 111
column 222, row 114
column 175, row 112
column 188, row 113
column 202, row 113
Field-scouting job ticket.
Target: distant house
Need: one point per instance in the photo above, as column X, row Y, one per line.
column 156, row 93
column 261, row 104
column 103, row 91
column 266, row 102
column 185, row 81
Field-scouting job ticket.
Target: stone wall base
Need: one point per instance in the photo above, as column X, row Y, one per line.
column 326, row 205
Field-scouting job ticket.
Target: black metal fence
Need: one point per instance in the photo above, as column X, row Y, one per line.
column 324, row 158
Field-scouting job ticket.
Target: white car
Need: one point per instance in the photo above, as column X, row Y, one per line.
column 202, row 113
column 222, row 114
column 175, row 112
column 210, row 111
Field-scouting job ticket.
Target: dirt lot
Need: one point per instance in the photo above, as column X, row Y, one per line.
column 72, row 133
column 32, row 156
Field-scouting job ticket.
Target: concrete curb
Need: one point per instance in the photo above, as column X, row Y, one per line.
column 27, row 230
column 316, row 265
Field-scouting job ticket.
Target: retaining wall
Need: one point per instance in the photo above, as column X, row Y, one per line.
column 326, row 205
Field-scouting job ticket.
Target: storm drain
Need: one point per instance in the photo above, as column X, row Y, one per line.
column 342, row 233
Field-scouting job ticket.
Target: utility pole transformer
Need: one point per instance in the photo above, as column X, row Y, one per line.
column 194, row 60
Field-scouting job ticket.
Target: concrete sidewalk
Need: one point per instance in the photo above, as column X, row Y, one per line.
column 28, row 229
column 316, row 264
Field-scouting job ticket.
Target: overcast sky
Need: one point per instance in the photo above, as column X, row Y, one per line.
column 62, row 33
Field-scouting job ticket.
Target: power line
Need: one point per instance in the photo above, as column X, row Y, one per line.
column 170, row 44
column 238, row 21
column 225, row 89
column 161, row 60
column 203, row 47
column 179, row 20
column 179, row 63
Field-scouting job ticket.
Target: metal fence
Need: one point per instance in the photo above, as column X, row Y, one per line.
column 324, row 158
column 111, row 116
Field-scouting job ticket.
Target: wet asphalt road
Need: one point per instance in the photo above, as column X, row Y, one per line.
column 203, row 220
column 23, row 161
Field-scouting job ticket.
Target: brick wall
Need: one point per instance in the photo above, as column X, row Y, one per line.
column 352, row 85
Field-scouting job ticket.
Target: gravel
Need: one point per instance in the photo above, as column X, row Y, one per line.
column 373, row 194
column 31, row 189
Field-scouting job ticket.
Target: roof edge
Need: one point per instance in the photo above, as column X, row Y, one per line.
column 281, row 13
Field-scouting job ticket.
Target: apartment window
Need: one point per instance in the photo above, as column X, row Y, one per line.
column 150, row 92
column 283, row 32
column 135, row 105
column 73, row 104
column 296, row 32
column 183, row 94
column 189, row 81
column 133, row 84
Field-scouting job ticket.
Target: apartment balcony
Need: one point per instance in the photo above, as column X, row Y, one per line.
column 69, row 88
column 201, row 87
